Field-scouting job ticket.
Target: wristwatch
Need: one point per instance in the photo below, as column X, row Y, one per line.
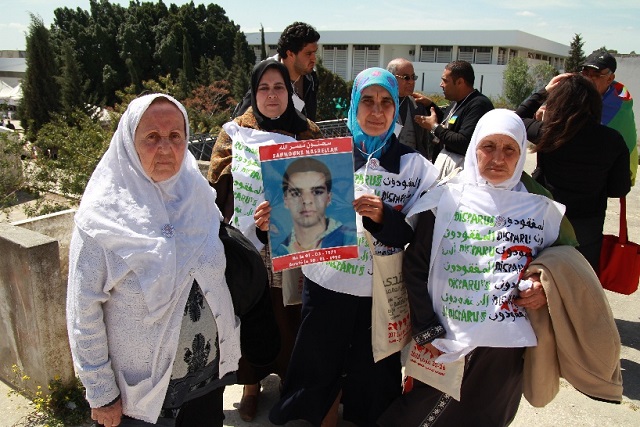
column 433, row 131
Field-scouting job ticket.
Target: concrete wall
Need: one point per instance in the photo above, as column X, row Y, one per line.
column 58, row 226
column 32, row 303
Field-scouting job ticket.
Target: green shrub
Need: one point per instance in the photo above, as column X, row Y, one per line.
column 63, row 404
column 69, row 150
column 12, row 177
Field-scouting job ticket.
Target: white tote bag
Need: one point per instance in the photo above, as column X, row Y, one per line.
column 446, row 377
column 292, row 283
column 390, row 322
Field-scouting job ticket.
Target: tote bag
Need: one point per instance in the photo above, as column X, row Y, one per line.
column 292, row 284
column 620, row 259
column 390, row 322
column 446, row 377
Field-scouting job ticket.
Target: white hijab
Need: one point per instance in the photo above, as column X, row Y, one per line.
column 496, row 122
column 157, row 228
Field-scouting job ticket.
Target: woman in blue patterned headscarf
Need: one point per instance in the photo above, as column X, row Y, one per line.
column 369, row 143
column 332, row 361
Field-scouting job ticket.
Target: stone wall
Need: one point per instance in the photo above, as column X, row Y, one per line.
column 33, row 332
column 33, row 289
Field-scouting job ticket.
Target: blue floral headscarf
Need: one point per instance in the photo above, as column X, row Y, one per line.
column 371, row 145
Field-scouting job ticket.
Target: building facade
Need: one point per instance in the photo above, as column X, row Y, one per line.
column 346, row 53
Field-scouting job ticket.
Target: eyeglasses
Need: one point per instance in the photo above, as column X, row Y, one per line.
column 592, row 74
column 407, row 77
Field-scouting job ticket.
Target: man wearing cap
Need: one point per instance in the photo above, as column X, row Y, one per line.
column 407, row 130
column 617, row 104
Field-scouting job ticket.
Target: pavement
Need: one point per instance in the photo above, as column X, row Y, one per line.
column 569, row 408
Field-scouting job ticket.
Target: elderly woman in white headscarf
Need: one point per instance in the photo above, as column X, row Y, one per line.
column 151, row 323
column 474, row 237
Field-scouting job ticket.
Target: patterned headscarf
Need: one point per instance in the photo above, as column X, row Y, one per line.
column 372, row 145
column 496, row 122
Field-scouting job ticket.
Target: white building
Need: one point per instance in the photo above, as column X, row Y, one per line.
column 348, row 52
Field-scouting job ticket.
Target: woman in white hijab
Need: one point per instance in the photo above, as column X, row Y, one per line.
column 151, row 323
column 474, row 237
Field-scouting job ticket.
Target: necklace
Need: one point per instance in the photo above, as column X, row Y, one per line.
column 294, row 85
column 454, row 109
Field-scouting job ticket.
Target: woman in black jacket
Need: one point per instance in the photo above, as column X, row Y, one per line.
column 580, row 161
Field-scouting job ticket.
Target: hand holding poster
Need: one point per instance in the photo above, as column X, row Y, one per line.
column 248, row 190
column 309, row 185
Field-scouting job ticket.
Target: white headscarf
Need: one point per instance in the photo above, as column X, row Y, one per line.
column 496, row 122
column 157, row 228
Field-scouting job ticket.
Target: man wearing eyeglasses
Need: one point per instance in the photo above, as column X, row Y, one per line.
column 617, row 104
column 410, row 133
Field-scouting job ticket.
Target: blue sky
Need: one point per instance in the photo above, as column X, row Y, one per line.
column 614, row 24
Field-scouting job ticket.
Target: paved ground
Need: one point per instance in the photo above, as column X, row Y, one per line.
column 570, row 408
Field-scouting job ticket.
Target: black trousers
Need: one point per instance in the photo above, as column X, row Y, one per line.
column 204, row 411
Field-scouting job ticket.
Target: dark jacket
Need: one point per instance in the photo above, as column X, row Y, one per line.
column 423, row 139
column 584, row 172
column 457, row 136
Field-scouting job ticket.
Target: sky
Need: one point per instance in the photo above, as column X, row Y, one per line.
column 614, row 24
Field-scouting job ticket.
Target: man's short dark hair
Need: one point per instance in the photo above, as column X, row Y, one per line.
column 461, row 69
column 295, row 37
column 306, row 164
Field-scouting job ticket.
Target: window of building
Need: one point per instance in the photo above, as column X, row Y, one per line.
column 440, row 54
column 502, row 56
column 365, row 56
column 475, row 54
column 334, row 58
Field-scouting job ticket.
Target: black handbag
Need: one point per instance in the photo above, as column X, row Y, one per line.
column 248, row 283
column 245, row 273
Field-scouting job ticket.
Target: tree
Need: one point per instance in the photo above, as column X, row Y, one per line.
column 333, row 94
column 70, row 81
column 209, row 107
column 576, row 55
column 80, row 141
column 263, row 46
column 240, row 69
column 541, row 74
column 117, row 45
column 40, row 91
column 518, row 83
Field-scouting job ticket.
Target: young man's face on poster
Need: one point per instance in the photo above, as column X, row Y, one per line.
column 307, row 198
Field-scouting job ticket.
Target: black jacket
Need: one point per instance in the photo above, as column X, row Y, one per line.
column 457, row 136
column 583, row 172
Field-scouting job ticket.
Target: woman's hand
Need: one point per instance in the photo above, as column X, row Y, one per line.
column 534, row 297
column 369, row 205
column 554, row 81
column 262, row 216
column 108, row 416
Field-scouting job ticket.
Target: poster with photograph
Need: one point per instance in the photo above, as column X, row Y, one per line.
column 309, row 185
column 248, row 191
